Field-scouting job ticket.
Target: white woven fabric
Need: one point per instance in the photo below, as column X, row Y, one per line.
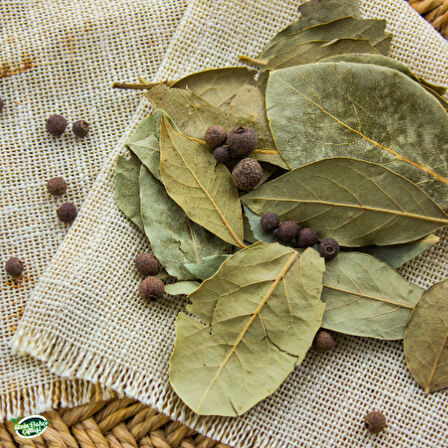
column 85, row 318
column 60, row 56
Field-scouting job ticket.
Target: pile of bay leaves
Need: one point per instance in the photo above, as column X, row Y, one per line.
column 355, row 146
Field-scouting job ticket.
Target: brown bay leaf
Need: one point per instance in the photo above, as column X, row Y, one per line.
column 344, row 28
column 126, row 190
column 217, row 86
column 426, row 339
column 358, row 203
column 399, row 254
column 175, row 240
column 326, row 110
column 252, row 331
column 366, row 297
column 201, row 187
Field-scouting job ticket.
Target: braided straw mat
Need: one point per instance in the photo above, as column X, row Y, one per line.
column 85, row 319
column 434, row 11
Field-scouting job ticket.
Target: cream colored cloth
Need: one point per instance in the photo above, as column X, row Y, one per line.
column 85, row 317
column 60, row 56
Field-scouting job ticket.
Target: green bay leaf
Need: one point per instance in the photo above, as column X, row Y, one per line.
column 366, row 297
column 358, row 203
column 201, row 187
column 251, row 331
column 363, row 111
column 181, row 288
column 255, row 226
column 426, row 339
column 175, row 240
column 399, row 254
column 207, row 266
column 126, row 190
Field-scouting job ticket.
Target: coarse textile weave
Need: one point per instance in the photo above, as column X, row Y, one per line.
column 85, row 318
column 60, row 56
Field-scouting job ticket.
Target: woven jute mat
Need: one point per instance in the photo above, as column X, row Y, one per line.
column 118, row 423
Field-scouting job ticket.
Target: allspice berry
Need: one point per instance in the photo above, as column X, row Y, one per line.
column 14, row 267
column 307, row 237
column 80, row 128
column 329, row 248
column 215, row 136
column 56, row 186
column 324, row 341
column 247, row 174
column 375, row 422
column 287, row 232
column 147, row 264
column 67, row 212
column 152, row 288
column 269, row 222
column 56, row 125
column 222, row 154
column 242, row 141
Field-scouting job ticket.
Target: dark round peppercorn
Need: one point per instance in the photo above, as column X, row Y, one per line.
column 215, row 136
column 56, row 186
column 14, row 267
column 80, row 128
column 242, row 141
column 152, row 288
column 147, row 264
column 375, row 422
column 307, row 237
column 67, row 212
column 270, row 222
column 222, row 154
column 324, row 341
column 247, row 174
column 287, row 232
column 56, row 125
column 329, row 248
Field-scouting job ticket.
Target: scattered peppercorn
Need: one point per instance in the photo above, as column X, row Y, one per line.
column 56, row 125
column 324, row 341
column 247, row 174
column 222, row 154
column 56, row 186
column 307, row 237
column 14, row 267
column 287, row 232
column 329, row 248
column 2, row 104
column 375, row 422
column 242, row 141
column 152, row 288
column 67, row 212
column 270, row 222
column 147, row 264
column 80, row 128
column 215, row 136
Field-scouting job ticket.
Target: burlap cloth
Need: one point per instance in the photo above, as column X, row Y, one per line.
column 85, row 318
column 60, row 56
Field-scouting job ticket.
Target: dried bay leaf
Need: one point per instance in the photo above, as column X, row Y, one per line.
column 252, row 330
column 399, row 254
column 426, row 339
column 366, row 297
column 181, row 288
column 193, row 115
column 217, row 86
column 175, row 240
column 255, row 225
column 358, row 203
column 127, row 192
column 343, row 28
column 356, row 110
column 202, row 188
column 207, row 266
column 317, row 12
